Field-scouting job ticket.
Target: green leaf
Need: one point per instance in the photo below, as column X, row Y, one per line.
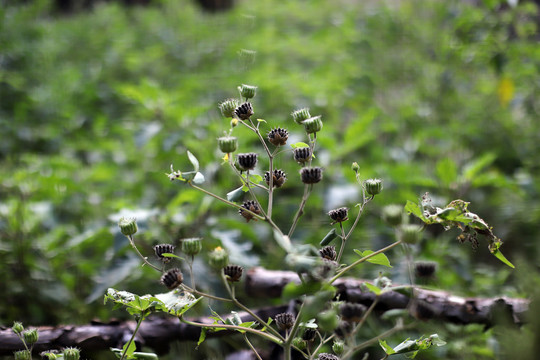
column 202, row 337
column 499, row 255
column 128, row 351
column 193, row 161
column 299, row 145
column 447, row 171
column 413, row 208
column 261, row 120
column 379, row 259
column 374, row 289
column 144, row 356
column 387, row 349
column 254, row 178
column 328, row 238
column 169, row 255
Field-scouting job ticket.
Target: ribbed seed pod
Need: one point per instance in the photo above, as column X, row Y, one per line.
column 191, row 246
column 309, row 334
column 284, row 321
column 311, row 175
column 328, row 252
column 326, row 356
column 425, row 269
column 164, row 249
column 244, row 111
column 172, row 278
column 251, row 206
column 227, row 144
column 300, row 115
column 228, row 107
column 247, row 91
column 246, row 161
column 278, row 136
column 128, row 226
column 352, row 311
column 233, row 272
column 339, row 215
column 278, row 180
column 218, row 258
column 302, row 155
column 373, row 186
column 313, row 125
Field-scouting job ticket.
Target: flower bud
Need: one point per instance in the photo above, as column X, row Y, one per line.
column 355, row 167
column 247, row 91
column 339, row 215
column 244, row 111
column 233, row 273
column 328, row 252
column 218, row 258
column 164, row 249
column 278, row 136
column 410, row 233
column 328, row 320
column 313, row 125
column 71, row 353
column 247, row 57
column 338, row 347
column 228, row 107
column 278, row 179
column 172, row 278
column 227, row 144
column 373, row 186
column 284, row 321
column 30, row 336
column 251, row 206
column 17, row 327
column 50, row 355
column 128, row 226
column 311, row 175
column 23, row 355
column 247, row 161
column 393, row 214
column 191, row 246
column 300, row 115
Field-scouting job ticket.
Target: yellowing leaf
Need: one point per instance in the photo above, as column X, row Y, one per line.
column 505, row 91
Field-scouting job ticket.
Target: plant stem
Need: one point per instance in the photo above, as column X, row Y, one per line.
column 225, row 201
column 290, row 336
column 300, row 212
column 252, row 348
column 139, row 322
column 343, row 241
column 398, row 327
column 144, row 259
column 234, row 327
column 359, row 261
column 191, row 272
column 200, row 293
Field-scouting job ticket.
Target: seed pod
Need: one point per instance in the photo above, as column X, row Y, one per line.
column 164, row 249
column 218, row 258
column 311, row 175
column 328, row 252
column 410, row 233
column 373, row 186
column 309, row 334
column 300, row 115
column 284, row 321
column 191, row 246
column 352, row 311
column 339, row 215
column 338, row 347
column 233, row 273
column 71, row 353
column 244, row 111
column 247, row 91
column 30, row 336
column 247, row 161
column 313, row 125
column 425, row 269
column 128, row 226
column 393, row 214
column 326, row 356
column 278, row 136
column 172, row 278
column 17, row 327
column 227, row 144
column 228, row 107
column 302, row 155
column 278, row 179
column 251, row 206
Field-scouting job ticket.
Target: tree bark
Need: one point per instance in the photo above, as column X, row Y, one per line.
column 157, row 332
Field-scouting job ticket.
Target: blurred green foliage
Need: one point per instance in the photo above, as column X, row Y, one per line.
column 438, row 96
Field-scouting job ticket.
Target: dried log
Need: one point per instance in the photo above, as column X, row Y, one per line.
column 425, row 304
column 155, row 332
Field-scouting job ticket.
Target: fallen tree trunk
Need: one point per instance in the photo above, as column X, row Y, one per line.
column 157, row 333
column 425, row 304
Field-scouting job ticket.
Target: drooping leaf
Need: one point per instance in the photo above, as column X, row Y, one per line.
column 193, row 160
column 499, row 255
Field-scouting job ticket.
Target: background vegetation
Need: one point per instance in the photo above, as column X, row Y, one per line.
column 438, row 96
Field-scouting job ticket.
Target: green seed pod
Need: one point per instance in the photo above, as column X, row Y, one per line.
column 373, row 186
column 23, row 355
column 313, row 125
column 338, row 347
column 17, row 327
column 50, row 355
column 128, row 226
column 247, row 91
column 31, row 336
column 191, row 246
column 329, row 237
column 300, row 115
column 328, row 320
column 218, row 258
column 227, row 144
column 71, row 353
column 393, row 214
column 410, row 233
column 299, row 343
column 228, row 106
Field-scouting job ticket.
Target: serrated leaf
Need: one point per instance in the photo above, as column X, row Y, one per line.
column 374, row 289
column 193, row 160
column 299, row 145
column 379, row 259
